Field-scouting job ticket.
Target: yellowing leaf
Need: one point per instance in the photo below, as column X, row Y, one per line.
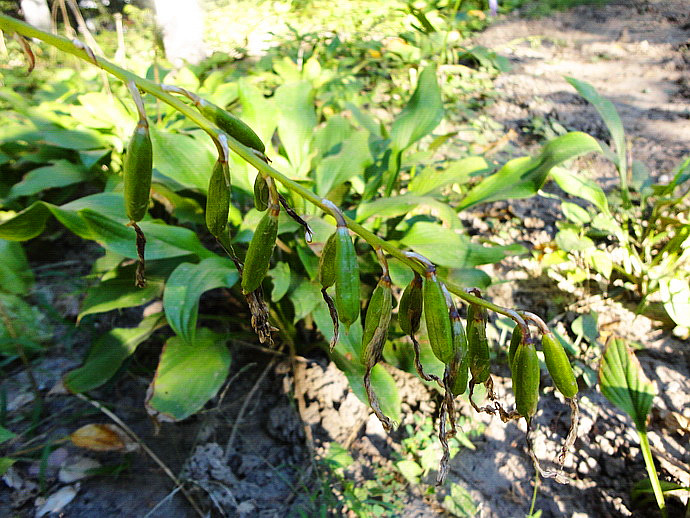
column 102, row 437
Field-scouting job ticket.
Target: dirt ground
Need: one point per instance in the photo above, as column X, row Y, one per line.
column 254, row 456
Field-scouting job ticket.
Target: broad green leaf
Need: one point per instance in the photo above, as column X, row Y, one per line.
column 305, row 298
column 575, row 213
column 26, row 224
column 186, row 159
column 59, row 174
column 162, row 240
column 15, row 273
column 421, row 114
column 188, row 375
column 117, row 293
column 5, row 434
column 587, row 326
column 460, row 503
column 280, row 274
column 523, row 177
column 23, row 322
column 410, row 470
column 5, row 464
column 337, row 456
column 383, row 385
column 431, row 179
column 570, row 241
column 71, row 139
column 406, row 203
column 608, row 113
column 351, row 160
column 624, row 384
column 469, row 278
column 107, row 354
column 601, row 262
column 258, row 112
column 675, row 295
column 296, row 122
column 365, row 120
column 578, row 185
column 329, row 138
column 186, row 285
column 445, row 247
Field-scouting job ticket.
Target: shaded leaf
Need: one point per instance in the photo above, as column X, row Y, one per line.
column 624, row 384
column 186, row 159
column 577, row 185
column 431, row 179
column 5, row 434
column 59, row 174
column 119, row 293
column 185, row 286
column 188, row 376
column 5, row 464
column 107, row 354
column 352, row 159
column 15, row 274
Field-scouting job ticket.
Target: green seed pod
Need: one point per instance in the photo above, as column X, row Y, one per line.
column 378, row 318
column 460, row 365
column 526, row 379
column 261, row 193
column 478, row 344
column 260, row 250
column 231, row 125
column 327, row 263
column 437, row 320
column 411, row 305
column 346, row 277
column 515, row 340
column 218, row 198
column 137, row 172
column 558, row 366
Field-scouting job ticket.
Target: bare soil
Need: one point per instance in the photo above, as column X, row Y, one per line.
column 254, row 456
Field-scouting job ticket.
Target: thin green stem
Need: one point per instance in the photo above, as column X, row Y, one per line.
column 534, row 493
column 10, row 25
column 651, row 470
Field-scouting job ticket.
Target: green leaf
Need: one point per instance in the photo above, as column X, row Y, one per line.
column 258, row 112
column 523, row 177
column 108, row 353
column 383, row 385
column 186, row 159
column 569, row 240
column 26, row 224
column 337, row 456
column 446, row 247
column 575, row 213
column 675, row 295
column 185, row 286
column 459, row 172
column 162, row 240
column 59, row 174
column 624, row 384
column 352, row 158
column 118, row 293
column 421, row 114
column 6, row 435
column 577, row 185
column 586, row 326
column 280, row 274
column 410, row 470
column 608, row 113
column 305, row 298
column 459, row 502
column 188, row 375
column 5, row 464
column 469, row 278
column 601, row 262
column 296, row 123
column 21, row 321
column 15, row 274
column 399, row 205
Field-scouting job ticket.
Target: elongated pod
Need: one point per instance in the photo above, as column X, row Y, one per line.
column 437, row 320
column 218, row 198
column 459, row 366
column 411, row 306
column 260, row 249
column 526, row 379
column 376, row 323
column 558, row 366
column 261, row 193
column 478, row 344
column 346, row 277
column 230, row 124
